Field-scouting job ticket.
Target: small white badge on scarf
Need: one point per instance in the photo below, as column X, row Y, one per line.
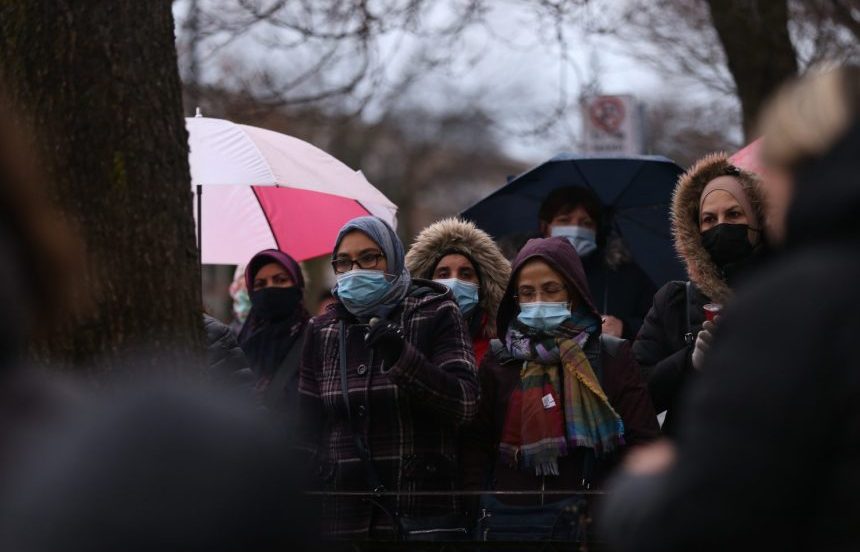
column 548, row 401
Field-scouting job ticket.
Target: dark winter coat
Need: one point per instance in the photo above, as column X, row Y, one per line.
column 769, row 448
column 224, row 357
column 500, row 375
column 661, row 348
column 408, row 413
column 619, row 289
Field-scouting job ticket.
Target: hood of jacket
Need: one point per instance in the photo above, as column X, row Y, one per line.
column 559, row 254
column 454, row 235
column 685, row 220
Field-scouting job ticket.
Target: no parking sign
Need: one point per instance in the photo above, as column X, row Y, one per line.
column 612, row 125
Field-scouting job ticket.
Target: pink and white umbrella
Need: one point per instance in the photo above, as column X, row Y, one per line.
column 262, row 189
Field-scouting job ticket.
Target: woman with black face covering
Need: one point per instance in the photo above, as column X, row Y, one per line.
column 274, row 331
column 717, row 222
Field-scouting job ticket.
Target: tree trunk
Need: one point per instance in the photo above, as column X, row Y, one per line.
column 760, row 55
column 98, row 83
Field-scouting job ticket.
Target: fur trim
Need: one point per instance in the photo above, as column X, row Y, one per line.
column 460, row 235
column 685, row 220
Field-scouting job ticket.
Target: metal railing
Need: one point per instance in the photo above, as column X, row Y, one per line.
column 586, row 544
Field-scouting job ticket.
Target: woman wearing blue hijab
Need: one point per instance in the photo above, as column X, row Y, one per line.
column 387, row 377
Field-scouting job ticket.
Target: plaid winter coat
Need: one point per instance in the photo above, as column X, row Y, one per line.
column 408, row 414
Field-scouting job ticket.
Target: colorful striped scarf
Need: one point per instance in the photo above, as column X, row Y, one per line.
column 554, row 411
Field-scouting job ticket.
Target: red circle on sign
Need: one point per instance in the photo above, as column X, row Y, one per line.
column 607, row 113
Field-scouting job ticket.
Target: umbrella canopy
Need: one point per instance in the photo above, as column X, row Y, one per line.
column 747, row 157
column 636, row 193
column 262, row 189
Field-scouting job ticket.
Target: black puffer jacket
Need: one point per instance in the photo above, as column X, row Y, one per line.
column 661, row 348
column 621, row 290
column 224, row 357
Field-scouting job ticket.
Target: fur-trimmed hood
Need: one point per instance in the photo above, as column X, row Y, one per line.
column 454, row 235
column 685, row 220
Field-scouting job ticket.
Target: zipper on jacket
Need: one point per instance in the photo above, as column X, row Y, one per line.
column 542, row 489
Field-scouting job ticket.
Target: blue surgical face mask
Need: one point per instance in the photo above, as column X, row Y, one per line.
column 361, row 288
column 584, row 240
column 466, row 293
column 545, row 316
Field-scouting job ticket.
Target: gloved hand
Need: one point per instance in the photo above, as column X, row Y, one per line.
column 703, row 344
column 386, row 338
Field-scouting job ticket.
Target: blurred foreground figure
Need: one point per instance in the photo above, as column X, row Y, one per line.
column 149, row 468
column 155, row 468
column 768, row 452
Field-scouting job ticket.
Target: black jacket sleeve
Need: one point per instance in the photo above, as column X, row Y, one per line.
column 664, row 367
column 478, row 438
column 225, row 359
column 645, row 291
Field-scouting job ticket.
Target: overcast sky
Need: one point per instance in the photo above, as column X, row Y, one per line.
column 511, row 66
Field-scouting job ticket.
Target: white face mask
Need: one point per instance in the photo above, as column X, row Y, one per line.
column 583, row 239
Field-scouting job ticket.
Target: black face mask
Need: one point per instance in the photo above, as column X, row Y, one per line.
column 727, row 243
column 275, row 303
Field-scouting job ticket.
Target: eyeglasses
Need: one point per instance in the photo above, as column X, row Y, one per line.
column 364, row 261
column 528, row 294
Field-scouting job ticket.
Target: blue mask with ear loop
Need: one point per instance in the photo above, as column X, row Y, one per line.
column 465, row 293
column 361, row 288
column 582, row 239
column 545, row 316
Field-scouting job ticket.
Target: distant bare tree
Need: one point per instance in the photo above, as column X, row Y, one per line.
column 759, row 51
column 685, row 131
column 740, row 48
column 338, row 53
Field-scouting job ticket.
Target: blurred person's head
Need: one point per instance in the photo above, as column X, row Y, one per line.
column 808, row 129
column 156, row 466
column 574, row 213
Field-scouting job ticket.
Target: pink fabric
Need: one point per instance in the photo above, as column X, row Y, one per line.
column 234, row 227
column 266, row 190
column 305, row 224
column 747, row 158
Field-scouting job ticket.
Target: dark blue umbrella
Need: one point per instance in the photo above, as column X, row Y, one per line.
column 636, row 193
